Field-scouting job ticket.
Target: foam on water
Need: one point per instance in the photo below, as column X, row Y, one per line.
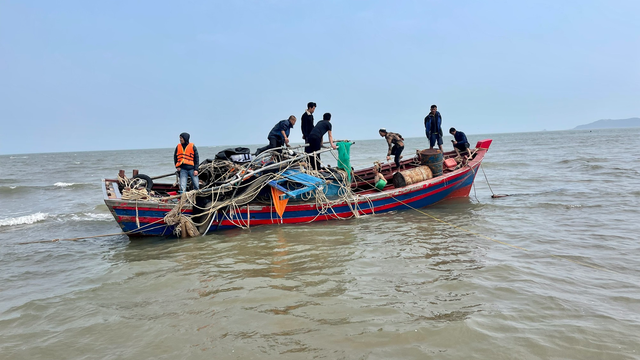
column 61, row 218
column 63, row 184
column 87, row 217
column 22, row 220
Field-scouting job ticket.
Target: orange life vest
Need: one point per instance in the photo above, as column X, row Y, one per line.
column 185, row 156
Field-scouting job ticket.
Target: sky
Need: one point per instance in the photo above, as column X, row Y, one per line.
column 110, row 75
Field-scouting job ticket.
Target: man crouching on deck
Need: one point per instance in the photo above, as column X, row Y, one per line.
column 186, row 159
column 395, row 143
column 460, row 142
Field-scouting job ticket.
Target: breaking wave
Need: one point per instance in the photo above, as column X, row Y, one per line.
column 66, row 185
column 85, row 217
column 61, row 218
column 22, row 220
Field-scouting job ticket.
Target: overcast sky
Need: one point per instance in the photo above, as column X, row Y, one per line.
column 100, row 75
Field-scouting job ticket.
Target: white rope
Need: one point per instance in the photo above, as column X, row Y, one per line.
column 227, row 171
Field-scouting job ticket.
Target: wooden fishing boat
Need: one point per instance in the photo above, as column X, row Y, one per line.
column 291, row 193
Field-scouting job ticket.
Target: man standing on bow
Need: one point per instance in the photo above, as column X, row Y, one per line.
column 433, row 128
column 187, row 159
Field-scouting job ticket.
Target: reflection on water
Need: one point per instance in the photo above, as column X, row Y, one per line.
column 301, row 289
column 280, row 263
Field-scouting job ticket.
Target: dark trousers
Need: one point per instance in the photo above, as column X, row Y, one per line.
column 314, row 145
column 274, row 142
column 461, row 146
column 305, row 137
column 396, row 150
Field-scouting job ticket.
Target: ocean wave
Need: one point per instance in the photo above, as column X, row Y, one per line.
column 550, row 205
column 22, row 220
column 18, row 157
column 61, row 218
column 85, row 217
column 67, row 186
column 11, row 189
column 505, row 164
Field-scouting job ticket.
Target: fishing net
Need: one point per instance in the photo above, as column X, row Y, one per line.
column 344, row 158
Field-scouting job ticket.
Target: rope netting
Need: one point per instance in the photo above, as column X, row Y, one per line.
column 227, row 196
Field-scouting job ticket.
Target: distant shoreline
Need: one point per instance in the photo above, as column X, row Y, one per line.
column 610, row 124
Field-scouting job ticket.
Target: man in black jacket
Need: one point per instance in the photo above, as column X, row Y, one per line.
column 460, row 142
column 307, row 121
column 433, row 128
column 279, row 135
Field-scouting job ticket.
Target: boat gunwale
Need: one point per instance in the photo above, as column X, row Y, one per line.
column 301, row 206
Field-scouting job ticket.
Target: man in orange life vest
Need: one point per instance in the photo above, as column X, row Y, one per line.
column 187, row 159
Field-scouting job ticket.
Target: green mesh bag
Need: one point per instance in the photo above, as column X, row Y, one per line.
column 344, row 157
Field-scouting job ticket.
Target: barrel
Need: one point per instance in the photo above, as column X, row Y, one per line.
column 433, row 159
column 412, row 176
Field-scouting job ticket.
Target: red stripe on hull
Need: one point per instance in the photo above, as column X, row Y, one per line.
column 462, row 192
column 141, row 219
column 452, row 185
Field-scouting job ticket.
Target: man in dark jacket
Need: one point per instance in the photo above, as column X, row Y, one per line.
column 279, row 135
column 315, row 139
column 307, row 121
column 317, row 134
column 433, row 127
column 187, row 160
column 460, row 141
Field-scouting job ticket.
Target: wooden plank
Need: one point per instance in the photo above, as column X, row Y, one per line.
column 104, row 189
column 275, row 185
column 290, row 193
column 302, row 177
column 297, row 192
column 116, row 191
